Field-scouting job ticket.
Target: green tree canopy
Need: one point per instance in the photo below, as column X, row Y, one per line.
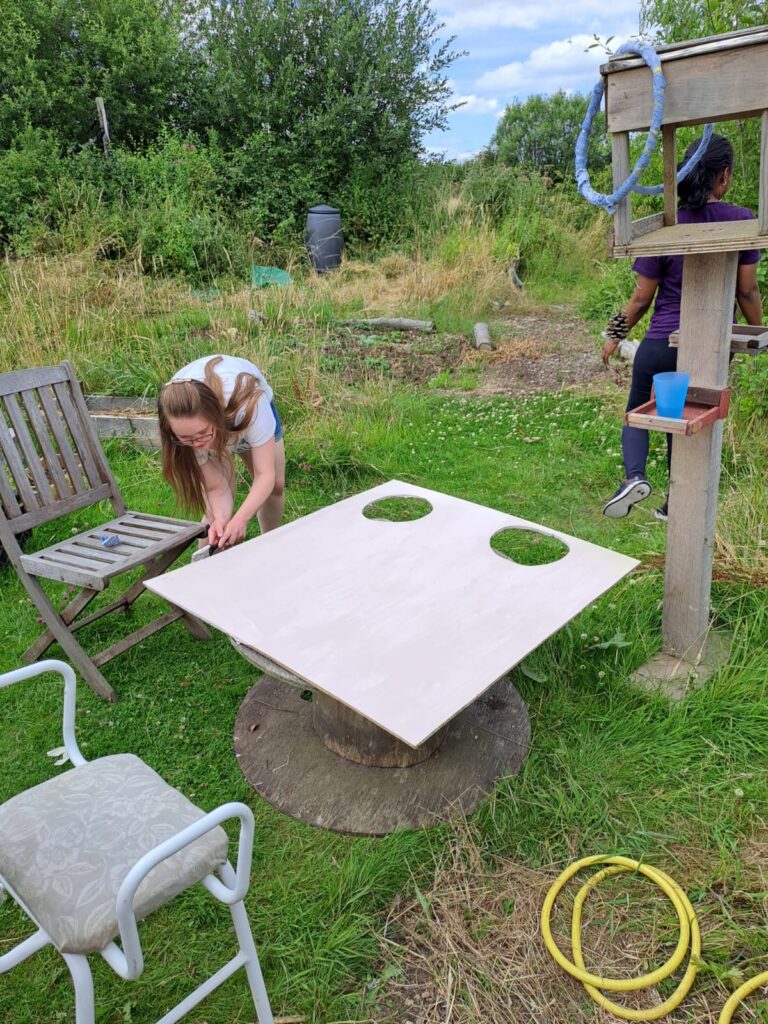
column 56, row 56
column 541, row 132
column 677, row 20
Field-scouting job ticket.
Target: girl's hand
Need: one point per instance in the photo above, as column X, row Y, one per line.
column 609, row 348
column 233, row 533
column 216, row 531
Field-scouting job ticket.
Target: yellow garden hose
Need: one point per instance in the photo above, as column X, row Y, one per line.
column 689, row 936
column 740, row 994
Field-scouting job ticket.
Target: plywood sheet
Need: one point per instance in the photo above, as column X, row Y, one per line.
column 406, row 622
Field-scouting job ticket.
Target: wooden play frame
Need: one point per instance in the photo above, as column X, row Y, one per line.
column 708, row 80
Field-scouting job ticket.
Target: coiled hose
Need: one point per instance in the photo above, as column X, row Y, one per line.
column 689, row 944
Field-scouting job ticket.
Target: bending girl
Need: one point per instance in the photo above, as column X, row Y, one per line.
column 211, row 409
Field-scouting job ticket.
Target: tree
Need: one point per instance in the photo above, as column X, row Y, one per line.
column 676, row 20
column 56, row 56
column 541, row 132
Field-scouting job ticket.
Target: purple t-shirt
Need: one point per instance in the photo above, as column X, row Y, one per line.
column 668, row 270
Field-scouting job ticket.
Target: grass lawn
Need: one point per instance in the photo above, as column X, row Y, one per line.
column 610, row 769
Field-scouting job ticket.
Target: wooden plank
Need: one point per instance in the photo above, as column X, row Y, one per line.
column 8, row 496
column 56, row 422
column 63, row 489
column 47, row 513
column 709, row 282
column 645, row 225
column 693, row 239
column 134, row 537
column 96, row 551
column 372, row 603
column 67, row 614
column 77, row 431
column 622, row 218
column 157, row 522
column 26, row 380
column 19, row 479
column 45, row 491
column 104, row 473
column 63, row 556
column 50, row 570
column 713, row 86
column 670, row 175
column 692, row 48
column 762, row 214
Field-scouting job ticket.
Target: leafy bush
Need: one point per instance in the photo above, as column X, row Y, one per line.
column 28, row 173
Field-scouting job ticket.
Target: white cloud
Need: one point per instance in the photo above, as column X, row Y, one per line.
column 476, row 104
column 461, row 15
column 563, row 64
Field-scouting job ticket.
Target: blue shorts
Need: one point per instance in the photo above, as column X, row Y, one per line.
column 278, row 422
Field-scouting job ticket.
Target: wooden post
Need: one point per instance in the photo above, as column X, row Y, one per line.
column 762, row 210
column 670, row 175
column 622, row 219
column 706, row 315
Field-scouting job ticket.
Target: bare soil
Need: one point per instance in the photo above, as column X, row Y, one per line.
column 535, row 352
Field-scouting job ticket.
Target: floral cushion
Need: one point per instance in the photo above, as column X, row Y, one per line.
column 67, row 844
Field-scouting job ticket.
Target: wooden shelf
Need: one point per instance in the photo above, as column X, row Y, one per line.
column 688, row 239
column 703, row 407
column 744, row 338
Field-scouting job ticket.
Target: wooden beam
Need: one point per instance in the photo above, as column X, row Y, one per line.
column 670, row 175
column 622, row 219
column 713, row 86
column 762, row 212
column 709, row 283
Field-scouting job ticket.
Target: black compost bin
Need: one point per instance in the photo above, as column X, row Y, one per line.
column 324, row 238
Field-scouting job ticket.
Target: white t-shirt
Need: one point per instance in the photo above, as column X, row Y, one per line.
column 262, row 426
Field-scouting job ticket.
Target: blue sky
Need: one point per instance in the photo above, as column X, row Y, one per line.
column 516, row 48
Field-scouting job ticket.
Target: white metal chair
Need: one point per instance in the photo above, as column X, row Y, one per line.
column 92, row 851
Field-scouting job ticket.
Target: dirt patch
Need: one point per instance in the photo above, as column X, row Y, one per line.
column 547, row 351
column 403, row 356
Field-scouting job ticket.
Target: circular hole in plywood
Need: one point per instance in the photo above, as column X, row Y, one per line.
column 398, row 510
column 528, row 547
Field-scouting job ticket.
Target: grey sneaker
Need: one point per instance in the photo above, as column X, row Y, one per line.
column 628, row 494
column 662, row 514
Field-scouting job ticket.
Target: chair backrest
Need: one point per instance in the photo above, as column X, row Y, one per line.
column 51, row 461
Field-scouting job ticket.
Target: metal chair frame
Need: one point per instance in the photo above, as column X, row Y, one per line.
column 128, row 962
column 52, row 464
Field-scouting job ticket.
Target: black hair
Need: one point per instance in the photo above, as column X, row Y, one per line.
column 697, row 187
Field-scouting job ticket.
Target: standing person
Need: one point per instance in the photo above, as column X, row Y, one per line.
column 700, row 201
column 211, row 409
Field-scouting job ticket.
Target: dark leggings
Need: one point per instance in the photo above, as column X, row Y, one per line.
column 653, row 356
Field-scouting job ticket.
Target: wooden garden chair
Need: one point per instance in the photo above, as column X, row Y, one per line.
column 52, row 464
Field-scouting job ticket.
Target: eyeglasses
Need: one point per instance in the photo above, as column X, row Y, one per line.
column 201, row 438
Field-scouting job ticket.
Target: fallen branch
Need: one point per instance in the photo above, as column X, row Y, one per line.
column 395, row 324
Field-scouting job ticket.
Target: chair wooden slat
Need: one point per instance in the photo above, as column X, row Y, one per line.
column 43, row 437
column 24, row 440
column 55, row 422
column 75, row 425
column 7, row 494
column 140, row 540
column 157, row 524
column 24, row 380
column 88, row 548
column 19, row 478
column 47, row 513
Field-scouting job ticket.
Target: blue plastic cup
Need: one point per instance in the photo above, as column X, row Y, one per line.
column 670, row 390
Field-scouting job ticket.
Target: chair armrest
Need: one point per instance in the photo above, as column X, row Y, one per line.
column 70, row 696
column 131, row 963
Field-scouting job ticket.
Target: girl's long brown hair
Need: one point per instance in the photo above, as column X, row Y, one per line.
column 185, row 398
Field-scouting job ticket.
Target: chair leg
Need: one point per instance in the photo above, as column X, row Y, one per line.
column 66, row 640
column 252, row 965
column 68, row 614
column 82, row 979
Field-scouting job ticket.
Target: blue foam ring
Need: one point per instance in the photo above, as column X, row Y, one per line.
column 109, row 540
column 658, row 85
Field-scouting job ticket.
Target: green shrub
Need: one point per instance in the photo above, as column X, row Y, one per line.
column 28, row 173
